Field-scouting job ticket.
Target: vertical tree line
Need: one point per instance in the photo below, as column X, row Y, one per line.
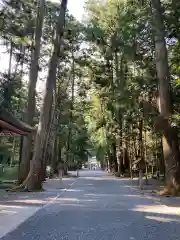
column 112, row 87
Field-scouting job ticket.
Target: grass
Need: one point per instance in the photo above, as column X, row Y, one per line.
column 8, row 176
column 6, row 186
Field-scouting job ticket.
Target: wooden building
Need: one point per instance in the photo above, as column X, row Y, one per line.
column 10, row 125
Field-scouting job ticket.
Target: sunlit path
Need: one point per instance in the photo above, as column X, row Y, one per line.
column 98, row 207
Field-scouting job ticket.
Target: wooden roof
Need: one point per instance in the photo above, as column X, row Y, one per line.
column 10, row 125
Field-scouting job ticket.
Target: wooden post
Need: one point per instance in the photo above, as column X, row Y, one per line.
column 60, row 176
column 141, row 166
column 77, row 172
column 60, row 173
column 140, row 179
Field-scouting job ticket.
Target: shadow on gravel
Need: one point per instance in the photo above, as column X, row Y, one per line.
column 52, row 188
column 101, row 208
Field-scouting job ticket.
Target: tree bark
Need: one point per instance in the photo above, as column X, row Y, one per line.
column 33, row 180
column 169, row 137
column 54, row 147
column 47, row 143
column 69, row 140
column 54, row 158
column 30, row 108
column 114, row 157
column 8, row 86
column 56, row 155
column 140, row 140
column 125, row 158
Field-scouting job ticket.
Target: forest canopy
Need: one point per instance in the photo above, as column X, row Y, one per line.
column 111, row 87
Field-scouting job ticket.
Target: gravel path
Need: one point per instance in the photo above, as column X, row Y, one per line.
column 99, row 207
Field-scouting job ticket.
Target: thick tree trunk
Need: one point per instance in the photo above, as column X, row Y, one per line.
column 120, row 65
column 140, row 141
column 125, row 158
column 69, row 140
column 47, row 145
column 7, row 95
column 120, row 122
column 161, row 160
column 171, row 155
column 114, row 157
column 120, row 163
column 33, row 180
column 30, row 108
column 110, row 163
column 54, row 158
column 169, row 139
column 54, row 166
column 44, row 164
column 54, row 149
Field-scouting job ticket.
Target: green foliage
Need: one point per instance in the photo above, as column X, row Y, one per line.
column 110, row 58
column 122, row 72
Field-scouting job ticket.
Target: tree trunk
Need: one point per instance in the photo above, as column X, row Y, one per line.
column 44, row 164
column 126, row 158
column 140, row 141
column 161, row 160
column 114, row 157
column 54, row 160
column 47, row 144
column 33, row 180
column 54, row 147
column 110, row 163
column 120, row 120
column 8, row 86
column 169, row 138
column 30, row 108
column 69, row 140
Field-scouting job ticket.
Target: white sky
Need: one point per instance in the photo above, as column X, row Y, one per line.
column 75, row 7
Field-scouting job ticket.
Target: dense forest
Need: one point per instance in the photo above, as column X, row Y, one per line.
column 111, row 87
